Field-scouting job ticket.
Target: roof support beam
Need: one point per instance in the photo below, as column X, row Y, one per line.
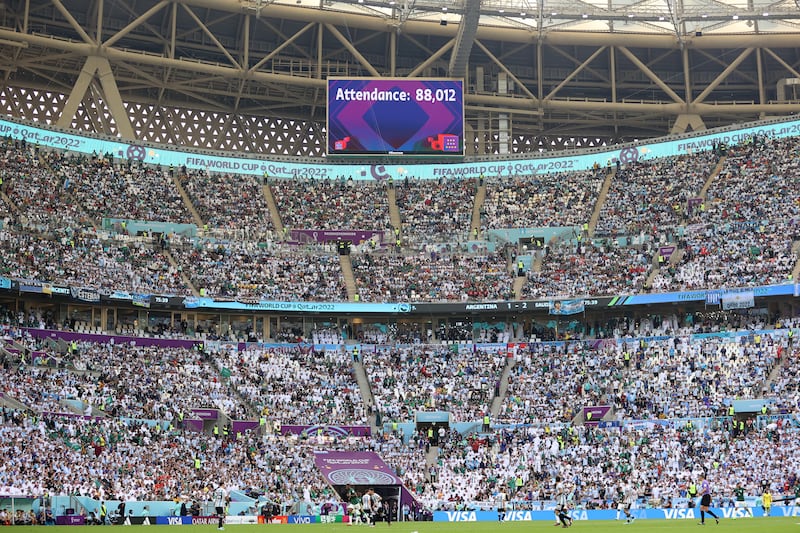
column 211, row 36
column 575, row 72
column 113, row 99
column 650, row 74
column 78, row 92
column 279, row 48
column 785, row 65
column 136, row 23
column 98, row 31
column 723, row 75
column 506, row 70
column 686, row 121
column 300, row 51
column 578, row 62
column 352, row 49
column 724, row 63
column 72, row 22
column 434, row 57
column 762, row 96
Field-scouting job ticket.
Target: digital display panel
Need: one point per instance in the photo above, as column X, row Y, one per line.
column 406, row 116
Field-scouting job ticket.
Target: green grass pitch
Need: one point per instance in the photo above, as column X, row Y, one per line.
column 744, row 525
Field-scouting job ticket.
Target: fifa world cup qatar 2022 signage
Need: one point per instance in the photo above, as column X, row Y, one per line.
column 287, row 169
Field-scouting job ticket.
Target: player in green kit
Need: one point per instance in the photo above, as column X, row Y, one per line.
column 738, row 492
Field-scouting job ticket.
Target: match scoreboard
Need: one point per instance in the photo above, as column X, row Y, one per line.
column 402, row 116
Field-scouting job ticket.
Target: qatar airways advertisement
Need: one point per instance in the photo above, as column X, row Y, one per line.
column 407, row 116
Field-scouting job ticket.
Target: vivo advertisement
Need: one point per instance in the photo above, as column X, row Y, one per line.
column 405, row 116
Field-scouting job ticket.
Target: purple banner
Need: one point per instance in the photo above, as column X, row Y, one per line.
column 354, row 468
column 193, row 424
column 597, row 413
column 70, row 520
column 206, row 414
column 403, row 116
column 332, row 431
column 666, row 251
column 302, row 236
column 70, row 336
column 240, row 426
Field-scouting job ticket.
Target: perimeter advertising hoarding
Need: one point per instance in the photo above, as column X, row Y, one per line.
column 286, row 169
column 607, row 514
column 403, row 116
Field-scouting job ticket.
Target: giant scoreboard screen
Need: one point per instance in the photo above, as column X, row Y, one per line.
column 403, row 116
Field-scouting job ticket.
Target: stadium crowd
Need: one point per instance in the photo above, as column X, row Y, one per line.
column 87, row 259
column 660, row 462
column 743, row 232
column 740, row 234
column 588, row 269
column 331, row 204
column 562, row 199
column 39, row 199
column 431, row 276
column 238, row 269
column 230, row 204
column 433, row 378
column 297, row 385
column 646, row 198
column 439, row 213
column 696, row 377
column 118, row 189
column 153, row 383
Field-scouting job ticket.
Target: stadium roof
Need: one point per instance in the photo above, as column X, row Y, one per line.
column 249, row 75
column 642, row 16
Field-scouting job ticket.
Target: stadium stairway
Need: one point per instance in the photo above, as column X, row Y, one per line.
column 519, row 283
column 12, row 403
column 773, row 375
column 394, row 210
column 78, row 407
column 366, row 390
column 176, row 179
column 10, row 203
column 796, row 269
column 431, row 460
column 601, row 200
column 252, row 409
column 266, row 190
column 651, row 277
column 349, row 277
column 184, row 277
column 712, row 176
column 497, row 401
column 66, row 192
column 674, row 260
column 477, row 208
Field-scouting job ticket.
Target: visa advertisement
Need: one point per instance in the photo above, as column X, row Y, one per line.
column 405, row 116
column 609, row 514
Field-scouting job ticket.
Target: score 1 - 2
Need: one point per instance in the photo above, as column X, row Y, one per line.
column 435, row 95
